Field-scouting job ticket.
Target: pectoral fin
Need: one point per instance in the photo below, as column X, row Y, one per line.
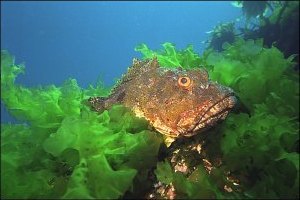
column 168, row 140
column 102, row 103
column 97, row 103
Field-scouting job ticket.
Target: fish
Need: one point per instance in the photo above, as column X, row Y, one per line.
column 176, row 102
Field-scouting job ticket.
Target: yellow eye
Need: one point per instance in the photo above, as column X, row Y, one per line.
column 184, row 81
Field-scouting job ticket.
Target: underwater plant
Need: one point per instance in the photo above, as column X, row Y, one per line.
column 281, row 24
column 170, row 57
column 62, row 149
column 223, row 32
column 252, row 8
column 258, row 147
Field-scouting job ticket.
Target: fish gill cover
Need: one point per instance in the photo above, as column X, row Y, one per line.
column 64, row 150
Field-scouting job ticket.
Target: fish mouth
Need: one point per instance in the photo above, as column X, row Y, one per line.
column 217, row 111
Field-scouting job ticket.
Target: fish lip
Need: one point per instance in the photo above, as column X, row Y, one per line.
column 230, row 97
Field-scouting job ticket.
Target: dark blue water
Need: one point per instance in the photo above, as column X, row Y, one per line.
column 88, row 40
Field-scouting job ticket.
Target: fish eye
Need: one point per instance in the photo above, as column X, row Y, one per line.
column 184, row 81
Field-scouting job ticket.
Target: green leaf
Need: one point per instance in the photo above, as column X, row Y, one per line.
column 164, row 172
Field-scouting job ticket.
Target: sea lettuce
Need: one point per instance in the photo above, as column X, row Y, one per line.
column 199, row 185
column 260, row 143
column 257, row 74
column 61, row 149
column 170, row 57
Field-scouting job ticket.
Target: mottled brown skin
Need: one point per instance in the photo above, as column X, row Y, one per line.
column 176, row 102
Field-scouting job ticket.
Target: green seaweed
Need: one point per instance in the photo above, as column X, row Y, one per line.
column 170, row 57
column 258, row 75
column 199, row 184
column 64, row 150
column 221, row 33
column 261, row 143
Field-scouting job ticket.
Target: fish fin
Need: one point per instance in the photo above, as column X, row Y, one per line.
column 102, row 103
column 135, row 61
column 168, row 140
column 154, row 63
column 132, row 71
column 138, row 67
column 97, row 103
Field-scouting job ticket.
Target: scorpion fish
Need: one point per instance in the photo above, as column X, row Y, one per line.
column 176, row 102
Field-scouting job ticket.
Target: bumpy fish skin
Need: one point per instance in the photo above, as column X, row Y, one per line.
column 176, row 102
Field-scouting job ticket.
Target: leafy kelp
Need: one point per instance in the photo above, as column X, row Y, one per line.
column 223, row 32
column 259, row 145
column 273, row 24
column 64, row 150
column 170, row 57
column 252, row 9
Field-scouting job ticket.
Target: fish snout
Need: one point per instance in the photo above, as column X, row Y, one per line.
column 225, row 93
